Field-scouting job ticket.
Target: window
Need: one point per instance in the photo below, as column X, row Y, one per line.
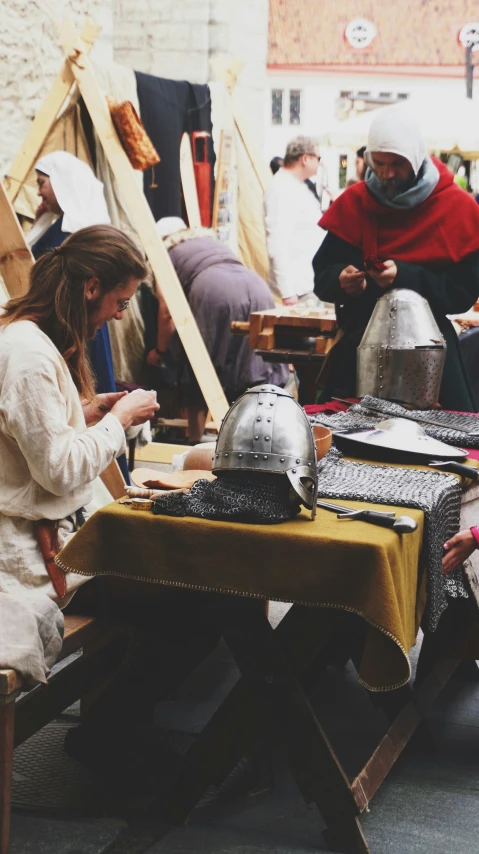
column 295, row 107
column 343, row 168
column 388, row 95
column 277, row 106
column 402, row 96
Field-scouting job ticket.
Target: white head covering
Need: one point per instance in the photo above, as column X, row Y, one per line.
column 78, row 192
column 395, row 130
column 169, row 225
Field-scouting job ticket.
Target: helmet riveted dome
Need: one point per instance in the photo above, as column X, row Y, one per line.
column 266, row 430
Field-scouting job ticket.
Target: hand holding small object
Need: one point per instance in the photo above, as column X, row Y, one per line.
column 136, row 408
column 352, row 281
column 95, row 409
column 384, row 278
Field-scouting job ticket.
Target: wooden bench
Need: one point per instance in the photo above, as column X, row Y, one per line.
column 23, row 714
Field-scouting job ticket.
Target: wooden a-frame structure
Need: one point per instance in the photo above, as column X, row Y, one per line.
column 15, row 256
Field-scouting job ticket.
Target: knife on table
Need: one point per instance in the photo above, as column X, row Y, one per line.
column 402, row 525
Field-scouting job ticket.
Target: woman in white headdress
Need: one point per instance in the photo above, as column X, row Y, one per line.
column 72, row 198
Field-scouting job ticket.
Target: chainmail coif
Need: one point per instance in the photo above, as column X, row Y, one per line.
column 462, row 430
column 438, row 495
column 254, row 498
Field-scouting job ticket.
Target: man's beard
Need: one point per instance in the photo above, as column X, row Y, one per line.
column 393, row 187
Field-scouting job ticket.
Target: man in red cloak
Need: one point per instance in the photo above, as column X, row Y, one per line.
column 408, row 225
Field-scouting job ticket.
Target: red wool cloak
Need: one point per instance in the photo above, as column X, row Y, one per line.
column 443, row 229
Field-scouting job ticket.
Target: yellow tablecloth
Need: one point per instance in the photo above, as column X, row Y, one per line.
column 328, row 563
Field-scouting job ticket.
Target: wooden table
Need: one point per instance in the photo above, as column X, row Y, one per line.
column 271, row 701
column 277, row 666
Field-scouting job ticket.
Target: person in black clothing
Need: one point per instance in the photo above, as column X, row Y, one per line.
column 409, row 214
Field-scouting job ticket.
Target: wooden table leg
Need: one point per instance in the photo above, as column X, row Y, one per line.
column 239, row 721
column 274, row 665
column 345, row 835
column 226, row 738
column 7, row 718
column 400, row 732
column 263, row 655
column 270, row 690
column 436, row 645
column 307, row 374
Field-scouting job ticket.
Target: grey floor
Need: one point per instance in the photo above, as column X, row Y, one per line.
column 429, row 803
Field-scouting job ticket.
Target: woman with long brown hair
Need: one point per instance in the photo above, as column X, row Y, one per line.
column 49, row 459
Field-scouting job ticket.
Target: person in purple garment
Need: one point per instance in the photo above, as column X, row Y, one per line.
column 219, row 289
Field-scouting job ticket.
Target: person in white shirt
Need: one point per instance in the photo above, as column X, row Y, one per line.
column 293, row 236
column 49, row 459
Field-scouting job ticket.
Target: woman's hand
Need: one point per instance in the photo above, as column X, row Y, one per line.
column 387, row 277
column 136, row 408
column 352, row 281
column 95, row 409
column 458, row 548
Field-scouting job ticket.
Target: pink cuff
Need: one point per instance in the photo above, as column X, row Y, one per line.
column 475, row 533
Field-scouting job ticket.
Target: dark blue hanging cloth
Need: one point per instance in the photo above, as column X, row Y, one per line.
column 168, row 109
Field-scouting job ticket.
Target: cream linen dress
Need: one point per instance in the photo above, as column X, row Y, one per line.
column 48, row 459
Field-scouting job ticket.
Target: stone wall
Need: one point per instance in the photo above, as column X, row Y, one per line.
column 178, row 38
column 30, row 59
column 168, row 38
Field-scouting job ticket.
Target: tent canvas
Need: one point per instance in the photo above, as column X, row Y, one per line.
column 58, row 116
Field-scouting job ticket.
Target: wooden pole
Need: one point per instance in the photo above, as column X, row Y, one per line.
column 221, row 186
column 15, row 257
column 188, row 182
column 246, row 135
column 143, row 222
column 45, row 118
column 228, row 74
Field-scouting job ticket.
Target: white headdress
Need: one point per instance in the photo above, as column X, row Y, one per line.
column 395, row 130
column 79, row 194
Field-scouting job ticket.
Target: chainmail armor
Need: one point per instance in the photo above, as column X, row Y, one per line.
column 438, row 495
column 462, row 430
column 263, row 499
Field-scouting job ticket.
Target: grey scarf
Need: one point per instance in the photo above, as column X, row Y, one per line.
column 426, row 181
